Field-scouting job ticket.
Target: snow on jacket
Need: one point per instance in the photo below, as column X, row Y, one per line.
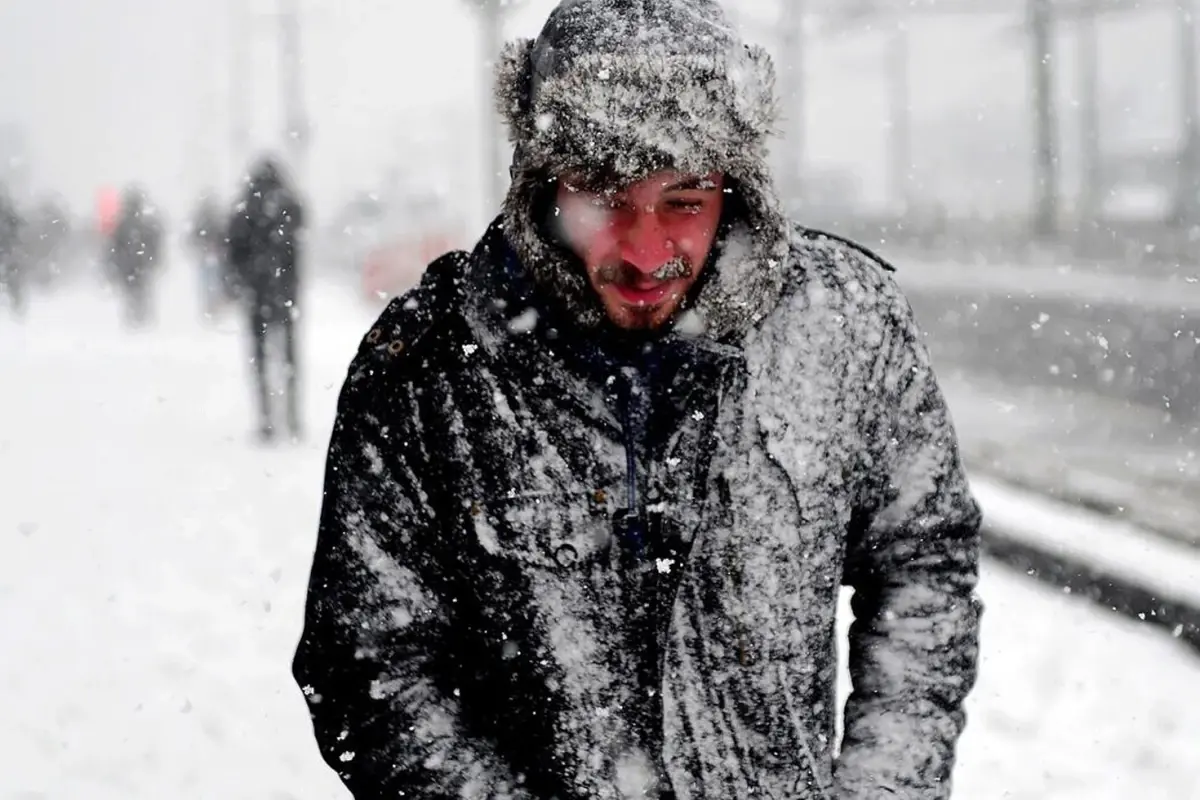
column 483, row 622
column 556, row 560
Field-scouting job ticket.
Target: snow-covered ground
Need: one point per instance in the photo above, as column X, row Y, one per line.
column 1078, row 445
column 153, row 563
column 1122, row 433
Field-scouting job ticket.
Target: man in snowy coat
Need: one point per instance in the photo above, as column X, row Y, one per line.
column 135, row 254
column 593, row 488
column 12, row 259
column 262, row 255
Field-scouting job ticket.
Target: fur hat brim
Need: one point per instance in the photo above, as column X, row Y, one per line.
column 635, row 114
column 623, row 117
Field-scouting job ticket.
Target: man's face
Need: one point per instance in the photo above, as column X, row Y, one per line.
column 643, row 245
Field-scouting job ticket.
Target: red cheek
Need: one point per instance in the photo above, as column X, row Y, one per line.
column 691, row 230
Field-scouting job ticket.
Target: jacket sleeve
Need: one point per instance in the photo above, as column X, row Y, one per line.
column 912, row 560
column 375, row 621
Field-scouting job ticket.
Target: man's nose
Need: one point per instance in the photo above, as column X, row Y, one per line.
column 646, row 245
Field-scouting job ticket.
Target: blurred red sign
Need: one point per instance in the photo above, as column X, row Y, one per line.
column 108, row 209
column 392, row 269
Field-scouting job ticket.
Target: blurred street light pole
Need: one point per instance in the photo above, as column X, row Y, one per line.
column 1092, row 183
column 240, row 84
column 1188, row 203
column 295, row 113
column 205, row 134
column 1041, row 48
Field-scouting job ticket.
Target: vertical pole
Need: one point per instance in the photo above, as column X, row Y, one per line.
column 1187, row 202
column 295, row 116
column 1041, row 28
column 1092, row 185
column 240, row 85
column 204, row 161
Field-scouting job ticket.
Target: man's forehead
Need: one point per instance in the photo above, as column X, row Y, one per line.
column 665, row 181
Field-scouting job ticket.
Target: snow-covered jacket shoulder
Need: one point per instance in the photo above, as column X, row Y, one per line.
column 849, row 406
column 842, row 342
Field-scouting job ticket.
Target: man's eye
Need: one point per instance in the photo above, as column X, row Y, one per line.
column 687, row 206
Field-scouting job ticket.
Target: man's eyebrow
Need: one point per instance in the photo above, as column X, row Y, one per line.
column 694, row 183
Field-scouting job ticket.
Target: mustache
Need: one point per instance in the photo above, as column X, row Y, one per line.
column 624, row 272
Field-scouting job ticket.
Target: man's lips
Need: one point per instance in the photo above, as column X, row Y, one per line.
column 648, row 295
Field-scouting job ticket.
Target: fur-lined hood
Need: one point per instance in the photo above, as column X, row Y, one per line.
column 627, row 87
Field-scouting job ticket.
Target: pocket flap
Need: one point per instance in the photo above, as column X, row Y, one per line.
column 553, row 531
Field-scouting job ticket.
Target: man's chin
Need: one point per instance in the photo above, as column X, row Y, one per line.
column 640, row 318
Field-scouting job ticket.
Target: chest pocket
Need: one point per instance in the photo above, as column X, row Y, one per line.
column 558, row 532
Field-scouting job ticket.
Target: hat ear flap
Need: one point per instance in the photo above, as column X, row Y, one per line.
column 513, row 76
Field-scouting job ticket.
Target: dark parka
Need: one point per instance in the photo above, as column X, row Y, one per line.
column 264, row 240
column 558, row 562
column 136, row 248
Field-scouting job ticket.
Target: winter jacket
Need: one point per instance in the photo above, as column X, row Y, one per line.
column 264, row 242
column 557, row 560
column 555, row 565
column 136, row 246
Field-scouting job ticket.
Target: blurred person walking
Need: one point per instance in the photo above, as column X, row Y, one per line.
column 210, row 246
column 12, row 260
column 135, row 256
column 47, row 240
column 263, row 257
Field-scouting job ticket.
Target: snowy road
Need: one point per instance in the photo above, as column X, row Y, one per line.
column 1075, row 381
column 152, row 569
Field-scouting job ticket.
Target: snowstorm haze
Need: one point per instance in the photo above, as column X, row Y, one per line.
column 108, row 92
column 122, row 90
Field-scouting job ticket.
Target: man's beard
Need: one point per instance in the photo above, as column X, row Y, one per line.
column 625, row 274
